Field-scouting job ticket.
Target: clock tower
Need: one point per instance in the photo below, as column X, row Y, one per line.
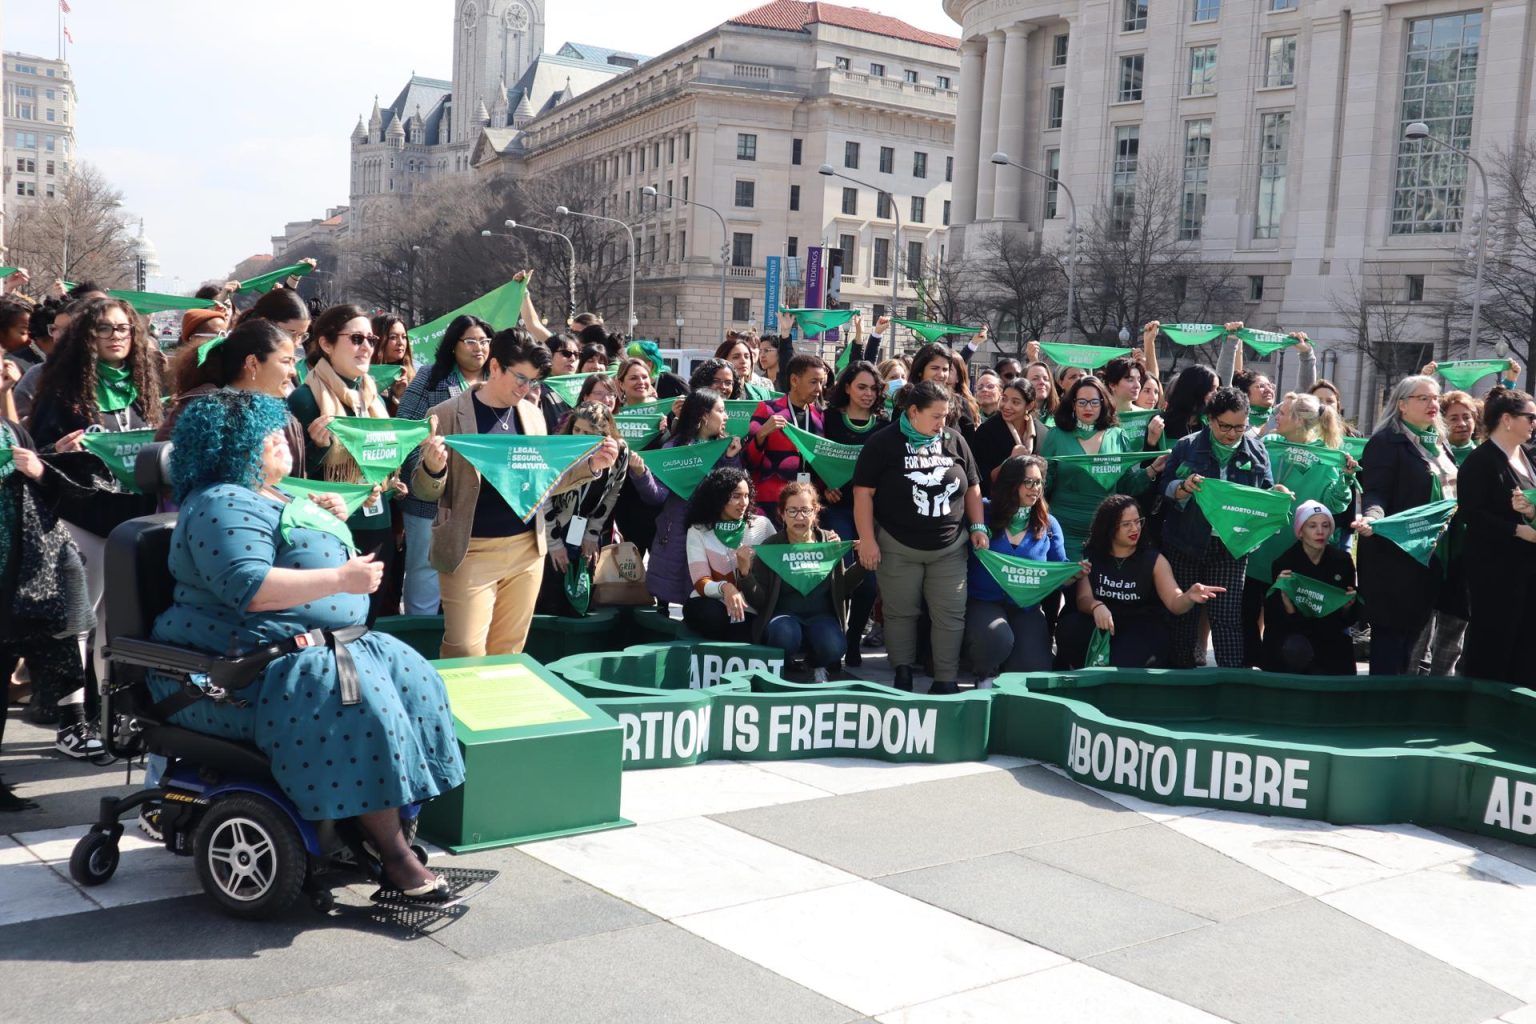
column 494, row 41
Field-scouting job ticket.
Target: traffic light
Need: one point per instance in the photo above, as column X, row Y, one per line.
column 140, row 275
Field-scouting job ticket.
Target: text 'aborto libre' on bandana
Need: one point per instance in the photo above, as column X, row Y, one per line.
column 803, row 566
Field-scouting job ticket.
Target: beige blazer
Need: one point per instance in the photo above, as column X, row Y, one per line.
column 457, row 491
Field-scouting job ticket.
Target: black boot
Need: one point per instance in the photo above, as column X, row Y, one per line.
column 939, row 689
column 852, row 656
column 903, row 678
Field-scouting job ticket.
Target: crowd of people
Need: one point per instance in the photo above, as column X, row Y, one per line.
column 972, row 519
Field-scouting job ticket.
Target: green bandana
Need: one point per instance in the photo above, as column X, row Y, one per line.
column 682, row 467
column 1463, row 373
column 1018, row 522
column 1191, row 335
column 1314, row 600
column 206, row 348
column 1354, row 447
column 1459, row 452
column 638, row 423
column 759, row 393
column 1103, row 471
column 499, row 307
column 384, row 375
column 1417, row 530
column 567, row 387
column 1258, row 417
column 1429, row 438
column 523, row 468
column 1084, row 430
column 829, row 460
column 1243, row 517
column 738, row 417
column 378, row 445
column 843, row 359
column 916, row 439
column 1088, row 357
column 578, row 585
column 1026, row 582
column 265, row 282
column 154, row 302
column 1098, row 650
column 1312, row 472
column 1265, row 342
column 119, row 450
column 933, row 332
column 353, row 496
column 1222, row 452
column 730, row 533
column 803, row 566
column 1530, row 496
column 1135, row 422
column 115, row 390
column 7, row 459
column 303, row 514
column 815, row 321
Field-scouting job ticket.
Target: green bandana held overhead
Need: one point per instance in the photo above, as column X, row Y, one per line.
column 303, row 514
column 500, row 308
column 154, row 302
column 1190, row 335
column 378, row 445
column 1087, row 357
column 681, row 468
column 523, row 468
column 266, row 282
column 1098, row 650
column 1417, row 530
column 1313, row 599
column 638, row 424
column 817, row 321
column 115, row 390
column 353, row 496
column 1026, row 582
column 1243, row 517
column 933, row 332
column 567, row 386
column 803, row 566
column 1463, row 373
column 385, row 375
column 829, row 460
column 118, row 450
column 730, row 532
column 1265, row 342
column 1101, row 471
column 843, row 359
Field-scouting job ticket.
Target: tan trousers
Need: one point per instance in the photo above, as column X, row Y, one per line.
column 488, row 600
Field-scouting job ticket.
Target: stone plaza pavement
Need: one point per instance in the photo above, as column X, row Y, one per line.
column 814, row 891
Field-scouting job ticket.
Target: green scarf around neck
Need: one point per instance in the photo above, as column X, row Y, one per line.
column 114, row 388
column 1429, row 438
column 916, row 438
column 1083, row 431
column 1222, row 452
column 731, row 533
column 1020, row 521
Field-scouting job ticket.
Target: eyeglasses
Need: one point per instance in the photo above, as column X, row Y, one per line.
column 569, row 353
column 109, row 330
column 1088, row 403
column 359, row 340
column 1528, row 416
column 522, row 380
column 477, row 342
column 298, row 339
column 1132, row 523
column 1229, row 428
column 1422, row 398
column 728, row 382
column 799, row 513
column 1033, row 485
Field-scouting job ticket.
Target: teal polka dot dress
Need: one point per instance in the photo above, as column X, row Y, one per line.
column 393, row 748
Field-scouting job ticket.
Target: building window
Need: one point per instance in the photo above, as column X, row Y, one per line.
column 49, row 169
column 1052, row 182
column 1282, row 5
column 887, row 160
column 794, row 197
column 910, row 77
column 666, row 247
column 1415, row 287
column 48, row 190
column 883, row 205
column 851, row 202
column 1197, row 174
column 746, row 147
column 796, row 148
column 26, row 140
column 919, row 165
column 850, row 246
column 741, row 249
column 1274, row 145
column 48, row 142
column 1133, row 15
column 1279, row 61
column 24, row 111
column 672, row 150
column 949, row 168
column 1205, row 10
column 642, row 159
column 877, row 70
column 1255, row 287
column 851, row 155
column 1122, row 195
column 741, row 310
column 792, row 244
column 942, row 82
column 746, row 193
column 1059, row 51
column 914, row 261
column 1202, row 71
column 1055, row 105
column 688, row 146
column 1439, row 88
column 882, row 261
column 1130, row 78
column 946, row 213
column 682, row 245
column 842, row 63
column 919, row 209
column 26, row 188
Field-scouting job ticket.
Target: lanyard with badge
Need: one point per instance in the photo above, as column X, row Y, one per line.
column 804, row 476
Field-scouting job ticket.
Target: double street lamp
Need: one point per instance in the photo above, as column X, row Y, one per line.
column 1419, row 131
column 563, row 211
column 725, row 247
column 827, row 170
column 570, row 251
column 1003, row 160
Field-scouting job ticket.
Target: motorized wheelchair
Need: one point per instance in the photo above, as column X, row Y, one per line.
column 218, row 802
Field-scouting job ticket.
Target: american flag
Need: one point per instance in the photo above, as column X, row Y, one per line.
column 67, row 35
column 64, row 6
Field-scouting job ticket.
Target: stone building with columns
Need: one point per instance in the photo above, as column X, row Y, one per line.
column 1285, row 120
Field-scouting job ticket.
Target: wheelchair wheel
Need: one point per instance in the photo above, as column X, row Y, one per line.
column 250, row 858
column 94, row 859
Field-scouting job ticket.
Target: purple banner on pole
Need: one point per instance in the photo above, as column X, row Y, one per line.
column 771, row 295
column 813, row 292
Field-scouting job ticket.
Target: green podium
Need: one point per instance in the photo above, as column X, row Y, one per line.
column 540, row 760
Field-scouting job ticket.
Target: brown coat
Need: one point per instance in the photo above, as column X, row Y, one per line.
column 459, row 488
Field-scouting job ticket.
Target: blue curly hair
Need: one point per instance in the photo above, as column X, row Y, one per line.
column 218, row 439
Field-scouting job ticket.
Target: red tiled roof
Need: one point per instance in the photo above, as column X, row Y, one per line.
column 332, row 222
column 797, row 15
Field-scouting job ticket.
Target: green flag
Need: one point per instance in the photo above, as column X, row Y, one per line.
column 1102, row 471
column 1098, row 650
column 816, row 321
column 353, row 496
column 154, row 302
column 682, row 467
column 1191, row 335
column 803, row 566
column 499, row 307
column 761, row 394
column 1265, row 342
column 933, row 332
column 1026, row 582
column 301, row 513
column 7, row 271
column 1135, row 423
column 265, row 282
column 523, row 468
column 385, row 375
column 1312, row 598
column 1311, row 472
column 1088, row 357
column 1463, row 373
column 829, row 460
column 738, row 416
column 1354, row 446
column 118, row 450
column 843, row 359
column 378, row 445
column 1417, row 530
column 567, row 386
column 638, row 424
column 1243, row 517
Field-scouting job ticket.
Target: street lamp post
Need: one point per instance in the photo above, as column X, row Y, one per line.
column 1002, row 159
column 563, row 211
column 827, row 170
column 1419, row 131
column 725, row 242
column 680, row 332
column 570, row 250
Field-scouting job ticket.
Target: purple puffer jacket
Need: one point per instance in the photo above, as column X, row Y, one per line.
column 666, row 568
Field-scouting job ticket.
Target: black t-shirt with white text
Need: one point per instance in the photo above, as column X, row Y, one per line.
column 919, row 496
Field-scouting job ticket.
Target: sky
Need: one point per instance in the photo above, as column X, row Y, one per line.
column 222, row 121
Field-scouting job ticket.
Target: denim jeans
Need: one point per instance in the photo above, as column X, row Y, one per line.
column 421, row 595
column 819, row 636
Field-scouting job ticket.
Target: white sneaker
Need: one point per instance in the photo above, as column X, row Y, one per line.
column 819, row 675
column 987, row 683
column 78, row 741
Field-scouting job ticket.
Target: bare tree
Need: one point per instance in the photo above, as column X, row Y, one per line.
column 1022, row 290
column 1382, row 329
column 602, row 250
column 79, row 234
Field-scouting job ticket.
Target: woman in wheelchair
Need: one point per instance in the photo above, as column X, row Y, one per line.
column 355, row 726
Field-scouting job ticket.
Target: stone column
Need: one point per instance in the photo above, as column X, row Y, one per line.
column 991, row 100
column 968, row 130
column 1010, row 124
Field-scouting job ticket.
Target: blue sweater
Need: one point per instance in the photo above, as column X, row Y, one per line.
column 1050, row 548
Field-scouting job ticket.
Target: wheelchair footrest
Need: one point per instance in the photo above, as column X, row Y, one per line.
column 464, row 883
